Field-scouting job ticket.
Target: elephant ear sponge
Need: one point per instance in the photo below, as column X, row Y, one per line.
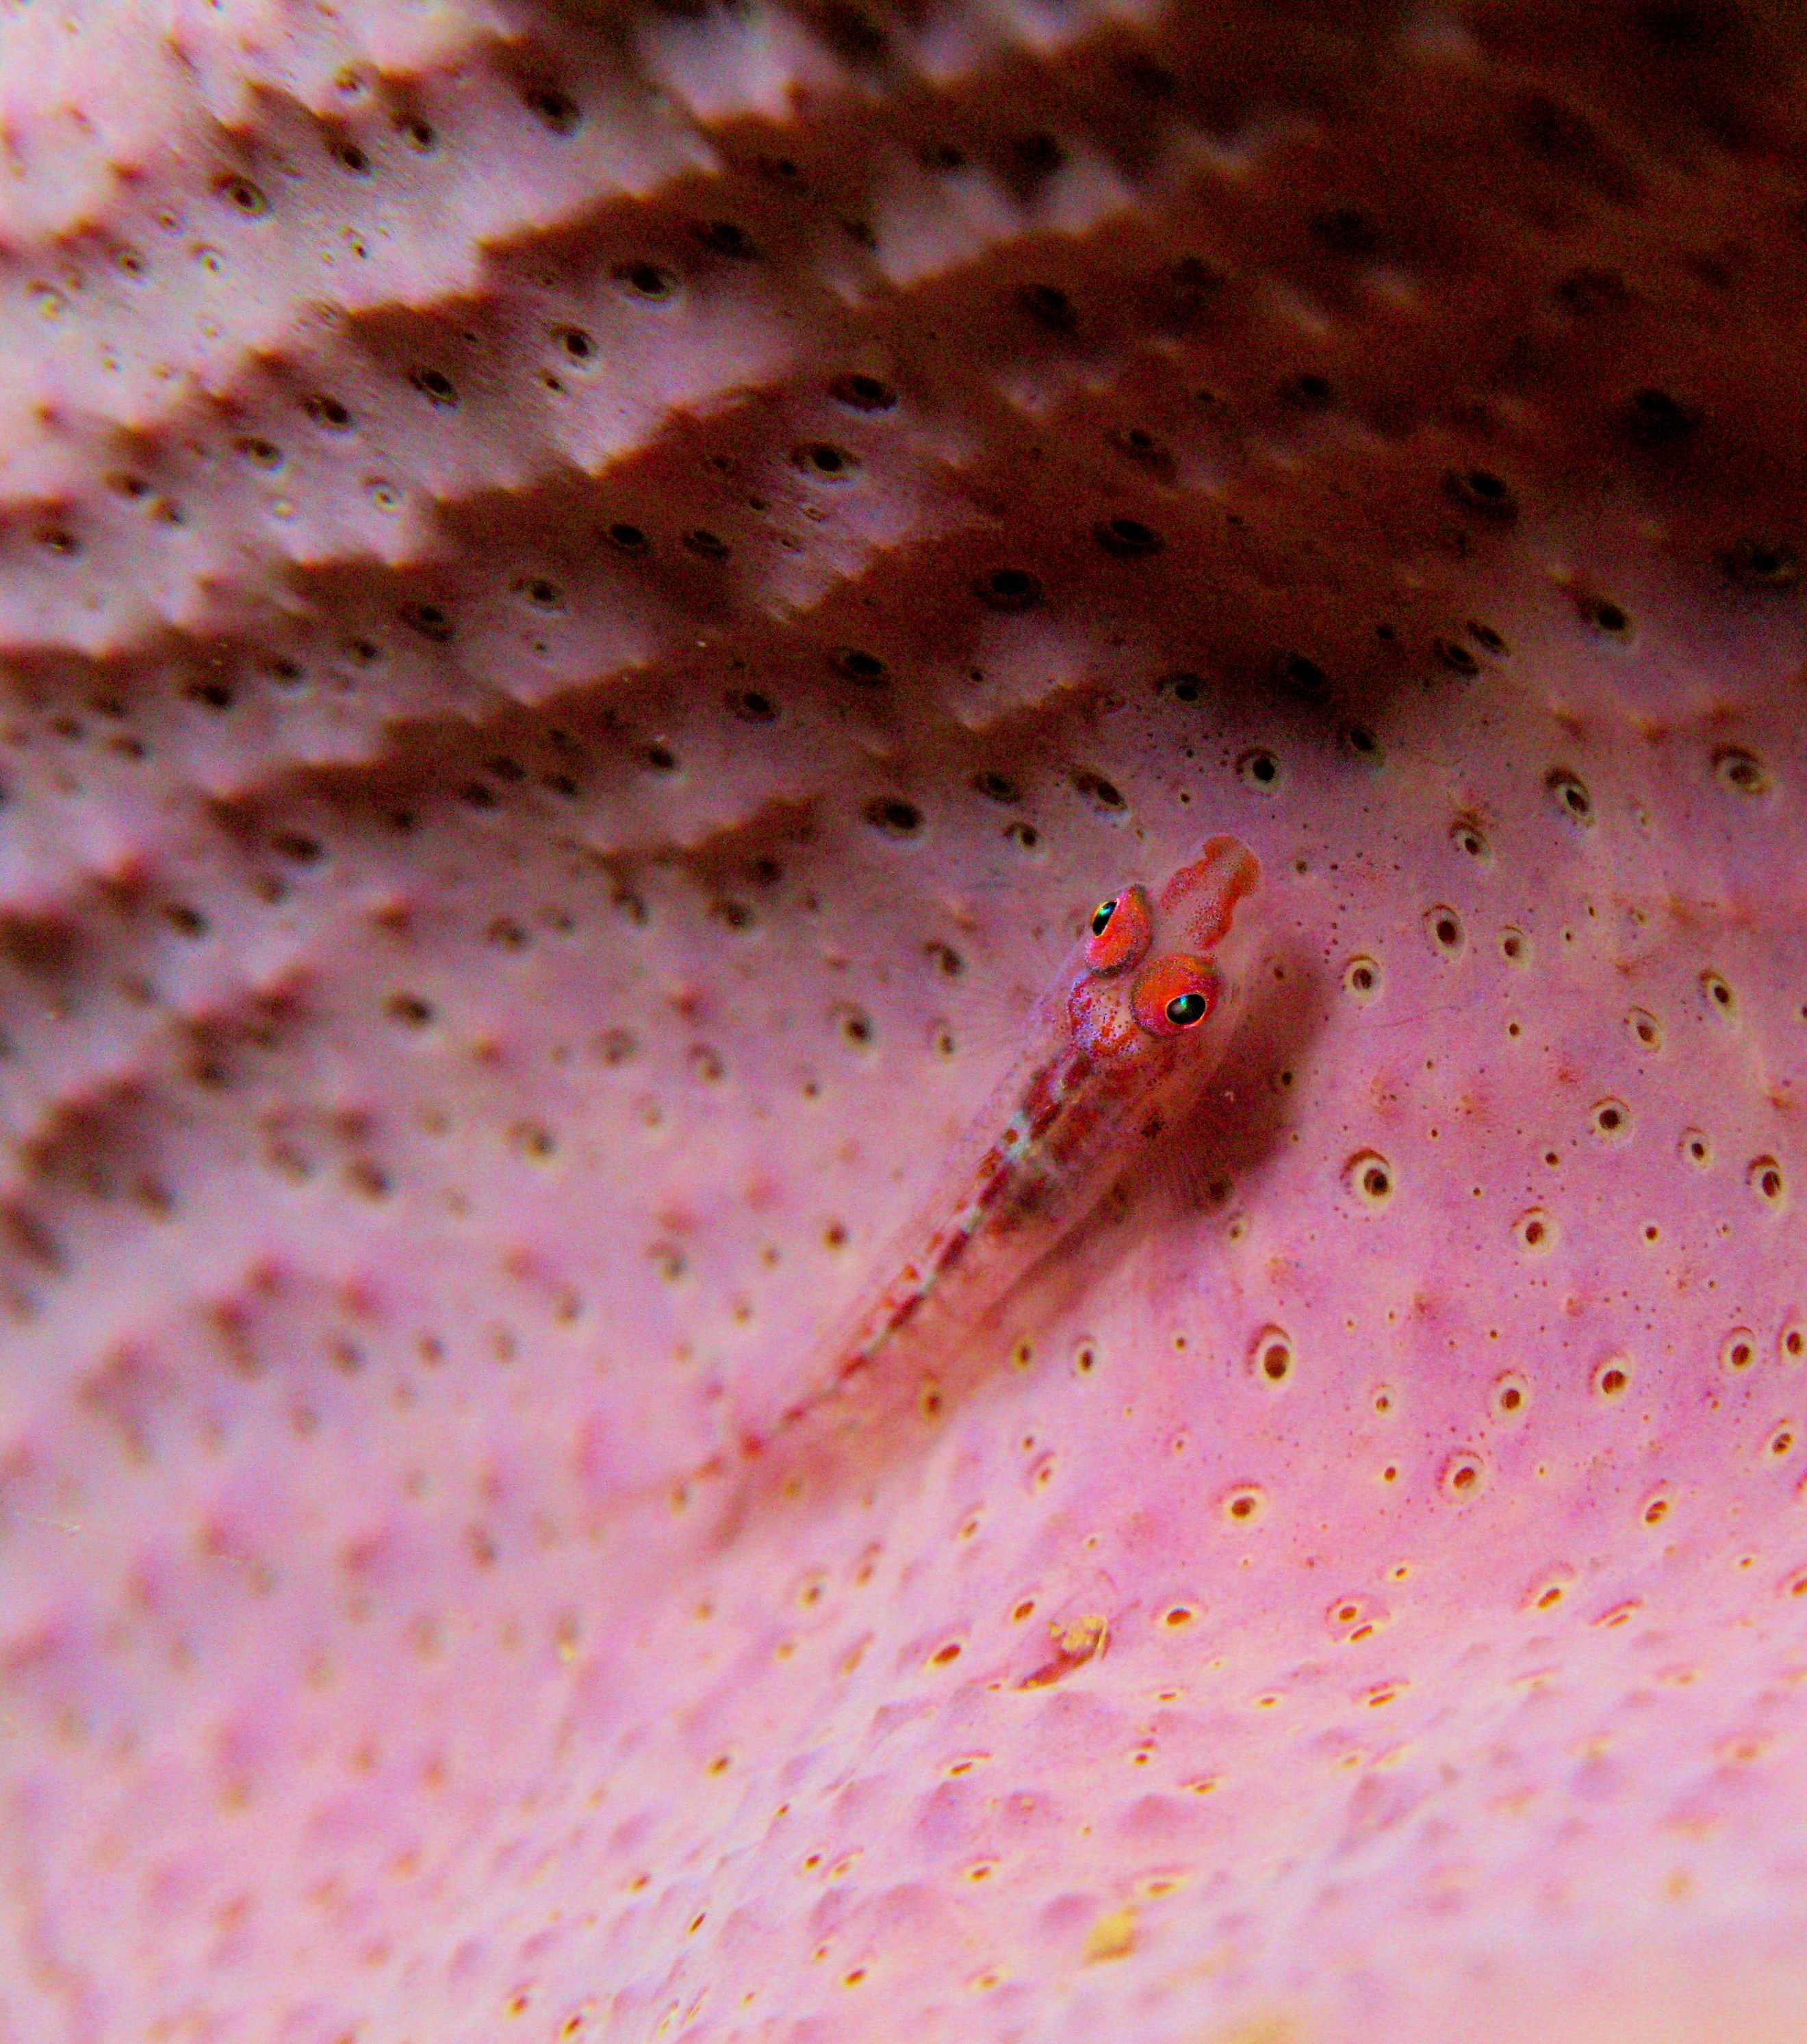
column 591, row 600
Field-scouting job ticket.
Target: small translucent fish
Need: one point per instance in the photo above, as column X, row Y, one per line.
column 1125, row 1039
column 1134, row 1024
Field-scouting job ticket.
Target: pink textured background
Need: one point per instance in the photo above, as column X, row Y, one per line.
column 484, row 972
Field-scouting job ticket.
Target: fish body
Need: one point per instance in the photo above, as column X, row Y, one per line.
column 1127, row 1035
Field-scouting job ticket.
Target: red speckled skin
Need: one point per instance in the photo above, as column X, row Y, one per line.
column 1100, row 1074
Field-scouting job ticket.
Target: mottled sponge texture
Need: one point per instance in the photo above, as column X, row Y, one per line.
column 590, row 598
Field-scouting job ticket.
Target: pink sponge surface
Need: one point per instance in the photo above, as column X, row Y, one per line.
column 588, row 601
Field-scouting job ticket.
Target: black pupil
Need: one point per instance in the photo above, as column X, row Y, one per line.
column 1102, row 916
column 1184, row 1009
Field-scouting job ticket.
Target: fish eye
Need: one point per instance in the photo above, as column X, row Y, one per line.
column 1119, row 931
column 1176, row 993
